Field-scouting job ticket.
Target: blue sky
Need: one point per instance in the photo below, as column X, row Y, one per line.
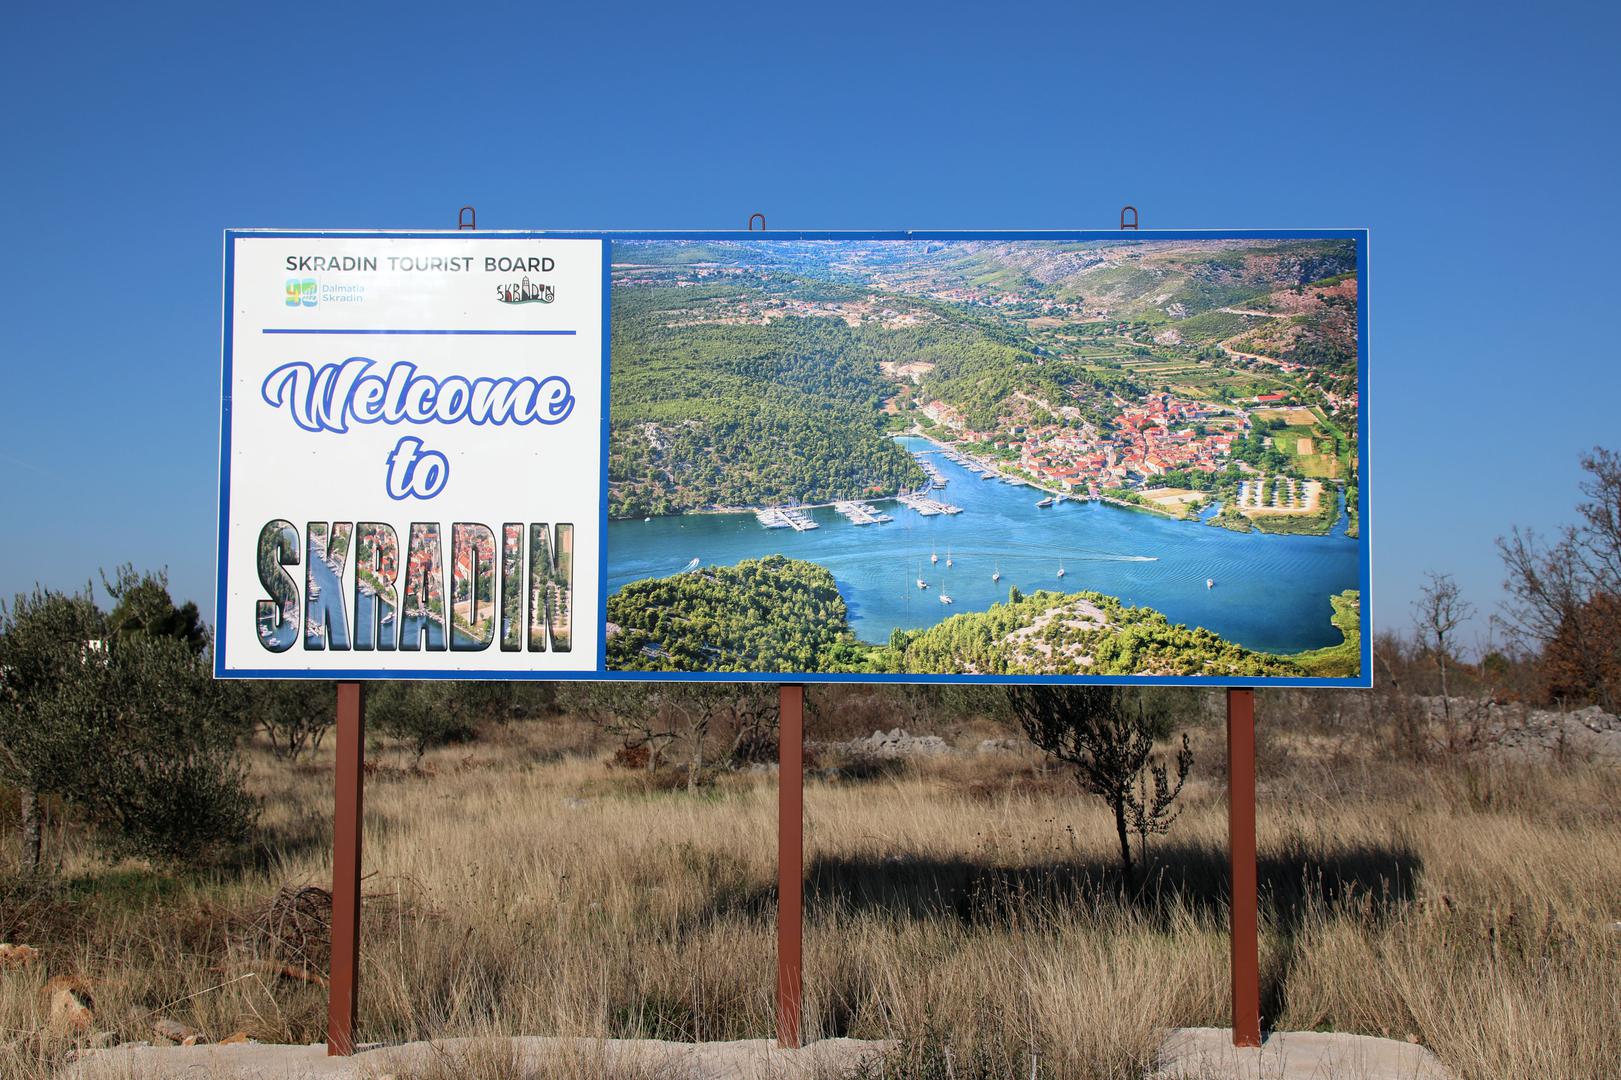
column 1479, row 148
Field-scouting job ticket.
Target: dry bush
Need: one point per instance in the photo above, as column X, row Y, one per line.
column 291, row 932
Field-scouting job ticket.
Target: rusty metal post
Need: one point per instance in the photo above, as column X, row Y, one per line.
column 790, row 862
column 1246, row 956
column 343, row 989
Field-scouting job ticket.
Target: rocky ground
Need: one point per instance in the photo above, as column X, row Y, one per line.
column 1513, row 727
column 1186, row 1054
column 518, row 1058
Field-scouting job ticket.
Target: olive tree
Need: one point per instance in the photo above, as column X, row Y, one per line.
column 129, row 730
column 158, row 771
column 667, row 718
column 424, row 714
column 1107, row 736
column 46, row 637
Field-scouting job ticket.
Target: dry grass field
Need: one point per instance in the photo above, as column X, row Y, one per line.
column 966, row 902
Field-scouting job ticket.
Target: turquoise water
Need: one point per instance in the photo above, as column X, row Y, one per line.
column 1271, row 592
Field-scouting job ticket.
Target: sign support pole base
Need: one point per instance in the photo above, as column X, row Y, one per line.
column 790, row 863
column 1245, row 911
column 343, row 988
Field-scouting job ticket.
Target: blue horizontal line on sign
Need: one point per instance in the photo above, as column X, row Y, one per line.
column 485, row 333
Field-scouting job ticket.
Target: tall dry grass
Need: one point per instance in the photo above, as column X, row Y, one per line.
column 968, row 905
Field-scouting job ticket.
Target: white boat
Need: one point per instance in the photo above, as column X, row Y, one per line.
column 948, row 556
column 1060, row 568
column 934, row 556
column 388, row 617
column 1210, row 583
column 1044, row 503
column 922, row 584
column 693, row 565
column 945, row 599
column 996, row 575
column 315, row 591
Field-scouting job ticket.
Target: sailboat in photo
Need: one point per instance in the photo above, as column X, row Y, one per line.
column 996, row 575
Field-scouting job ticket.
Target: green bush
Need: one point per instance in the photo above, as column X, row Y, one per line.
column 121, row 720
column 153, row 752
column 423, row 715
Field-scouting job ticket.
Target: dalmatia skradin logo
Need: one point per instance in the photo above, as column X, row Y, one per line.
column 525, row 292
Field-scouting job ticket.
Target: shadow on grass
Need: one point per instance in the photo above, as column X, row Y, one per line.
column 1177, row 877
column 1375, row 881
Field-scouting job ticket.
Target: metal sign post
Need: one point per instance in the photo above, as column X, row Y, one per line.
column 790, row 862
column 1245, row 910
column 343, row 989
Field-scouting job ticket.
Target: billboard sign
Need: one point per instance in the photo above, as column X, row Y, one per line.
column 923, row 457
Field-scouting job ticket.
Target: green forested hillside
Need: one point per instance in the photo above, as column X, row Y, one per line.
column 1082, row 633
column 730, row 415
column 770, row 614
column 709, row 414
column 780, row 614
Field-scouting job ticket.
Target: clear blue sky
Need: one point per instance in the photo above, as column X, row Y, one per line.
column 1479, row 148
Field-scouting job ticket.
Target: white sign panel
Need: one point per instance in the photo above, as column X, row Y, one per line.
column 411, row 455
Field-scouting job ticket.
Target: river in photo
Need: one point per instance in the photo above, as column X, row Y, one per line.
column 1270, row 593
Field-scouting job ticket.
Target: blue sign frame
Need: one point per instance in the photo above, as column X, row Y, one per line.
column 602, row 673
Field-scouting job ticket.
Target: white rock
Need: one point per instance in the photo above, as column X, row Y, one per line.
column 1203, row 1053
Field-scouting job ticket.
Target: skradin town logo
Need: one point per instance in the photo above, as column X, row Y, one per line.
column 301, row 292
column 525, row 292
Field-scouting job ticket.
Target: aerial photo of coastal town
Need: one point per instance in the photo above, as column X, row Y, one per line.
column 1133, row 457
